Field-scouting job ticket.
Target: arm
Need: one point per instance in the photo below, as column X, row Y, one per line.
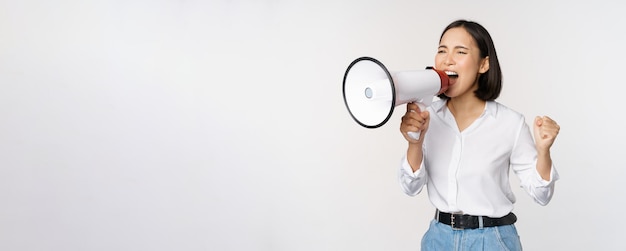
column 411, row 181
column 414, row 120
column 533, row 166
column 415, row 155
column 412, row 176
column 545, row 131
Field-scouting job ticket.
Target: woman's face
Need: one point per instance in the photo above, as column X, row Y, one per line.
column 459, row 56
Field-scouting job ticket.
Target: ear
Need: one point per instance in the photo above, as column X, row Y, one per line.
column 484, row 65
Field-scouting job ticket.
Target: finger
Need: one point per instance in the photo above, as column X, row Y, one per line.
column 549, row 123
column 411, row 129
column 538, row 121
column 413, row 119
column 410, row 126
column 549, row 132
column 412, row 107
column 547, row 119
column 412, row 116
column 413, row 124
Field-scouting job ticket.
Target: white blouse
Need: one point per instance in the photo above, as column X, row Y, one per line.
column 468, row 171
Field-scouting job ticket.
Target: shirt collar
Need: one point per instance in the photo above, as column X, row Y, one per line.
column 491, row 107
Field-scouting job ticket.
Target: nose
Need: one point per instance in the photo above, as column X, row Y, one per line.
column 448, row 60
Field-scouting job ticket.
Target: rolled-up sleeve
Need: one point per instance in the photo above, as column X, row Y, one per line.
column 539, row 189
column 411, row 182
column 524, row 164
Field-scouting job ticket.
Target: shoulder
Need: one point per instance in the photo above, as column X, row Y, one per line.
column 503, row 112
column 437, row 105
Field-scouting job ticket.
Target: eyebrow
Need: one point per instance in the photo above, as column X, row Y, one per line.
column 455, row 47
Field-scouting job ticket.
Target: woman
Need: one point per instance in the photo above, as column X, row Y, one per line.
column 468, row 144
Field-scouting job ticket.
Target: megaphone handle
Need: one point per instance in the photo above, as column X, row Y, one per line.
column 416, row 135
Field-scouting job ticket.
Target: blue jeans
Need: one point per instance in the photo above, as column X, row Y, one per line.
column 441, row 237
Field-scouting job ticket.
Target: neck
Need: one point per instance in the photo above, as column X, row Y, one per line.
column 466, row 105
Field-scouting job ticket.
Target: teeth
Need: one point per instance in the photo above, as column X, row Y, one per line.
column 452, row 74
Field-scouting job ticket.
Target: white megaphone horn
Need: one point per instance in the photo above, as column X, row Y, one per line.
column 371, row 92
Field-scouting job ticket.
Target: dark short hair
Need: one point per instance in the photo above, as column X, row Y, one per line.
column 490, row 82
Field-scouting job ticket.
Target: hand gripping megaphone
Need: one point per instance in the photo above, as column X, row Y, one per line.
column 371, row 92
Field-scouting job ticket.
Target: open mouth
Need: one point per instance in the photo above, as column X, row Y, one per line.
column 452, row 74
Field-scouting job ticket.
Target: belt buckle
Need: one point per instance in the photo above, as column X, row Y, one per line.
column 452, row 223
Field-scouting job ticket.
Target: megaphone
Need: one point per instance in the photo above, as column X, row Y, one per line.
column 371, row 92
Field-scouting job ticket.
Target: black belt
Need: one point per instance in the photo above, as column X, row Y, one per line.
column 464, row 221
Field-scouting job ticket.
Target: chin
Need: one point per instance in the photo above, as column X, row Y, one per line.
column 449, row 94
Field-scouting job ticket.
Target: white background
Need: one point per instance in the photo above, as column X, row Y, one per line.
column 220, row 125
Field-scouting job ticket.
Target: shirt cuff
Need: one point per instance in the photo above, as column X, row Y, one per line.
column 406, row 168
column 554, row 176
